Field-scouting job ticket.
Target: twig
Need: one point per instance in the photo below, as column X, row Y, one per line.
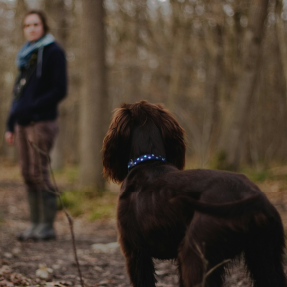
column 216, row 266
column 70, row 220
column 205, row 263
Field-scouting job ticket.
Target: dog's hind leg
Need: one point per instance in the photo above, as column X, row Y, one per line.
column 140, row 268
column 208, row 245
column 190, row 266
column 264, row 253
column 194, row 265
column 193, row 268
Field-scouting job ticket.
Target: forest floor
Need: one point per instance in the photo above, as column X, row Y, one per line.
column 52, row 263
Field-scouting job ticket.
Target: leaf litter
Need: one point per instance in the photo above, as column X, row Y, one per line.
column 52, row 263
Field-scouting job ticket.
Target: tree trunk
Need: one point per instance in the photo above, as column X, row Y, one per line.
column 58, row 21
column 282, row 40
column 180, row 29
column 93, row 110
column 232, row 139
column 211, row 101
column 16, row 42
column 135, row 69
column 176, row 68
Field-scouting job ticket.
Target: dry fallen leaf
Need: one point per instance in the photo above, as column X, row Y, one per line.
column 43, row 272
column 6, row 283
column 5, row 270
column 105, row 282
column 105, row 248
column 58, row 284
column 8, row 255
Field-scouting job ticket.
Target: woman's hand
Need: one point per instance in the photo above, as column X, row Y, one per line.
column 9, row 137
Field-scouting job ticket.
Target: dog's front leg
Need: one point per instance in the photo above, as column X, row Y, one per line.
column 140, row 268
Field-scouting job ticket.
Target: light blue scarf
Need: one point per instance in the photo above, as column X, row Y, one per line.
column 26, row 51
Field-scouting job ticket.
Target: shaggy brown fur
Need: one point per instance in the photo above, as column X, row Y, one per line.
column 166, row 213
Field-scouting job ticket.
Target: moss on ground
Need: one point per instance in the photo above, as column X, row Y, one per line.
column 92, row 206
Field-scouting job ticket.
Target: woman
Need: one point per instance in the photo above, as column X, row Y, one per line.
column 39, row 87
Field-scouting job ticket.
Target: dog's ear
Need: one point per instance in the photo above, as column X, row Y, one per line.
column 116, row 145
column 173, row 137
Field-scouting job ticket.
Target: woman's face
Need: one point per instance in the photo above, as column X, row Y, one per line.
column 33, row 27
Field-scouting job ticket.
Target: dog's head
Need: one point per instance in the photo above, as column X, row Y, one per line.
column 137, row 129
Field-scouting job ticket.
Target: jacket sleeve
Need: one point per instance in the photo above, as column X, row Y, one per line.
column 57, row 72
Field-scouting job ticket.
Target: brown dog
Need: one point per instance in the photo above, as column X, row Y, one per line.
column 166, row 213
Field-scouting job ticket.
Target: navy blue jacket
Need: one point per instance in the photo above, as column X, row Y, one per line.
column 39, row 99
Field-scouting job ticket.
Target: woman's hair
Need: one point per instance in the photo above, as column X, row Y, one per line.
column 42, row 16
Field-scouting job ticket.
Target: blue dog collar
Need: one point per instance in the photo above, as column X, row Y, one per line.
column 144, row 158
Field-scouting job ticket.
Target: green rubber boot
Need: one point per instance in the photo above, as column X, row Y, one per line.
column 33, row 202
column 45, row 230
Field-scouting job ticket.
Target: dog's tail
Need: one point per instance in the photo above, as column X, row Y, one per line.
column 248, row 205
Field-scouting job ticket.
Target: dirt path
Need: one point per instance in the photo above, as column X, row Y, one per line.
column 100, row 266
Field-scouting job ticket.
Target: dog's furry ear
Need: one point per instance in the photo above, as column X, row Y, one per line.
column 116, row 145
column 173, row 137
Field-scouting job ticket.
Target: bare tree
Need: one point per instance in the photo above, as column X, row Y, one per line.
column 57, row 14
column 232, row 139
column 12, row 45
column 282, row 39
column 93, row 110
column 214, row 46
column 135, row 45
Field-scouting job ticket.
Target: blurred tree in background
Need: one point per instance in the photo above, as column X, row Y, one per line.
column 219, row 66
column 58, row 21
column 93, row 112
column 236, row 118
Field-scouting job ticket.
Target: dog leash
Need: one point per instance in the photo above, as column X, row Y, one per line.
column 143, row 158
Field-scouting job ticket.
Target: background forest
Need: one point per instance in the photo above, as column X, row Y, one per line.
column 219, row 66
